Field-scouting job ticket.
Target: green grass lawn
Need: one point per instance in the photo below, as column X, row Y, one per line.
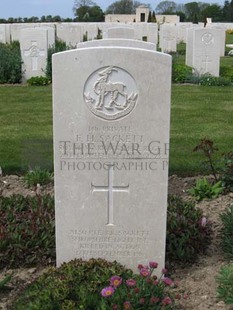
column 196, row 112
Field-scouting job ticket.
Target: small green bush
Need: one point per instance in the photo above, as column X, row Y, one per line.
column 38, row 176
column 27, row 230
column 208, row 80
column 225, row 284
column 10, row 63
column 75, row 285
column 38, row 81
column 188, row 231
column 226, row 232
column 205, row 190
column 59, row 46
column 180, row 73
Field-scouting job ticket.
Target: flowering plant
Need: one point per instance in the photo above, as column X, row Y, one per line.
column 142, row 291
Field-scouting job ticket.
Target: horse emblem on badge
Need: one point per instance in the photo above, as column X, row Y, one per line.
column 110, row 93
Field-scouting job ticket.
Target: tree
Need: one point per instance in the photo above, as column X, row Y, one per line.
column 123, row 7
column 166, row 7
column 214, row 11
column 228, row 11
column 89, row 14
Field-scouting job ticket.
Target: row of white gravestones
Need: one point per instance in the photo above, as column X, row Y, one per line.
column 203, row 50
column 111, row 107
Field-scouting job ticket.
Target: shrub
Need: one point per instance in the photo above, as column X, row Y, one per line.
column 229, row 31
column 59, row 46
column 188, row 231
column 75, row 285
column 10, row 63
column 226, row 232
column 27, row 230
column 208, row 80
column 180, row 73
column 38, row 81
column 226, row 72
column 38, row 176
column 205, row 190
column 225, row 284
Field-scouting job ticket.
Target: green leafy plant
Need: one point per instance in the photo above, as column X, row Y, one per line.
column 27, row 230
column 188, row 231
column 226, row 232
column 10, row 63
column 75, row 285
column 38, row 81
column 3, row 283
column 225, row 284
column 208, row 80
column 180, row 73
column 143, row 291
column 205, row 190
column 38, row 176
column 59, row 46
column 226, row 175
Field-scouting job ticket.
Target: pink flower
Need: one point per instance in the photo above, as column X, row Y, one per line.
column 130, row 282
column 153, row 265
column 164, row 271
column 156, row 282
column 141, row 301
column 140, row 266
column 167, row 281
column 145, row 272
column 115, row 281
column 148, row 280
column 115, row 307
column 107, row 291
column 154, row 300
column 136, row 290
column 127, row 305
column 166, row 301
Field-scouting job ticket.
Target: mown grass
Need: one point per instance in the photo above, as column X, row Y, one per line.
column 25, row 127
column 196, row 112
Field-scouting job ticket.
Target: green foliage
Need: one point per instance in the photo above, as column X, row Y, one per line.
column 225, row 284
column 27, row 230
column 59, row 46
column 143, row 291
column 180, row 73
column 205, row 190
column 38, row 176
column 38, row 81
column 99, row 35
column 10, row 63
column 188, row 231
column 123, row 7
column 4, row 282
column 75, row 285
column 89, row 14
column 226, row 233
column 85, row 37
column 208, row 80
column 227, row 170
column 227, row 72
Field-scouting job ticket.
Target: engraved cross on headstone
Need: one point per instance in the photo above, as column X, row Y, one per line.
column 206, row 61
column 110, row 189
column 34, row 52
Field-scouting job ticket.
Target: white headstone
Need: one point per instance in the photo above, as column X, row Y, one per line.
column 205, row 56
column 111, row 133
column 34, row 51
column 121, row 32
column 168, row 41
column 118, row 42
column 70, row 33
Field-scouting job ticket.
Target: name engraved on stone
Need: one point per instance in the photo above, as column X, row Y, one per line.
column 110, row 188
column 110, row 93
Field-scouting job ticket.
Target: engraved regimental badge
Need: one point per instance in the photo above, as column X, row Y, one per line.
column 110, row 93
column 207, row 38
